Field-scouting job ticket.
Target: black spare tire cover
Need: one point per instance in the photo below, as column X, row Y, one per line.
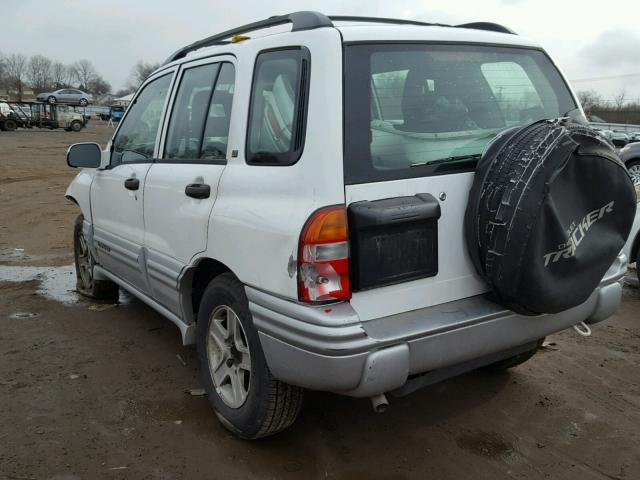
column 549, row 210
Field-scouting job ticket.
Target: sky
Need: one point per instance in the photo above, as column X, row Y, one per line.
column 597, row 45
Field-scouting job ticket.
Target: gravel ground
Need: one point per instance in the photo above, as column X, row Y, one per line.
column 91, row 391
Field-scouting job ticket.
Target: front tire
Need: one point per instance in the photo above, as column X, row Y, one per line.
column 76, row 126
column 52, row 100
column 247, row 398
column 10, row 125
column 86, row 284
column 84, row 102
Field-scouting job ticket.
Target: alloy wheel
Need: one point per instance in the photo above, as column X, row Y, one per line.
column 85, row 263
column 229, row 356
column 634, row 171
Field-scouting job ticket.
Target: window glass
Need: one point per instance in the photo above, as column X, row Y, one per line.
column 276, row 124
column 184, row 135
column 216, row 132
column 136, row 136
column 415, row 110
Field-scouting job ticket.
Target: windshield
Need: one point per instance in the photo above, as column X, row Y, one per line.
column 420, row 109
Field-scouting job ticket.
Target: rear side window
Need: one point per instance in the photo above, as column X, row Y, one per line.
column 186, row 125
column 417, row 110
column 277, row 113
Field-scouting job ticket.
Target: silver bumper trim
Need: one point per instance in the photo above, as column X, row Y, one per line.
column 328, row 348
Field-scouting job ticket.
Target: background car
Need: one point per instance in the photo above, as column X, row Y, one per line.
column 632, row 247
column 66, row 95
column 619, row 139
column 630, row 155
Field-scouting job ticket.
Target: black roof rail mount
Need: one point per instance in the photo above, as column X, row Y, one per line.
column 489, row 26
column 305, row 20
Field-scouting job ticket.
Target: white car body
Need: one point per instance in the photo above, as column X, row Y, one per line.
column 154, row 241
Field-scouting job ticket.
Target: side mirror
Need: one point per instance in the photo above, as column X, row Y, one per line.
column 84, row 155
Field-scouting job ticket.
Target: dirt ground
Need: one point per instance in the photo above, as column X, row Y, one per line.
column 92, row 391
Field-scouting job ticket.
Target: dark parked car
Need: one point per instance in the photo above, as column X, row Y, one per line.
column 630, row 155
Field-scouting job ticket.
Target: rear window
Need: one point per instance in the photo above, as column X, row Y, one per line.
column 416, row 110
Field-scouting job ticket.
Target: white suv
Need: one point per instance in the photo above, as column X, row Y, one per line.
column 295, row 204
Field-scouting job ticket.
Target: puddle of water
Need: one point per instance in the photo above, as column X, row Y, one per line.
column 21, row 315
column 11, row 255
column 56, row 283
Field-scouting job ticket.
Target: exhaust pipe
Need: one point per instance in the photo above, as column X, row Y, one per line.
column 379, row 403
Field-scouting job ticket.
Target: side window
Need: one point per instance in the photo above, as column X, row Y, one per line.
column 216, row 131
column 199, row 124
column 277, row 111
column 136, row 136
column 184, row 136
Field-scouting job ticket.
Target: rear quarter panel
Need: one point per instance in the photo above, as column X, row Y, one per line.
column 260, row 210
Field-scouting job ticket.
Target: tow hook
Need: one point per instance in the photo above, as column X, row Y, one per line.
column 582, row 329
column 379, row 403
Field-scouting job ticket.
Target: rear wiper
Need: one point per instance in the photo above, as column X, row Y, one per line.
column 459, row 158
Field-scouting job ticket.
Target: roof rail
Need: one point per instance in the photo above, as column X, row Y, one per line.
column 308, row 20
column 392, row 21
column 305, row 20
column 494, row 27
column 491, row 27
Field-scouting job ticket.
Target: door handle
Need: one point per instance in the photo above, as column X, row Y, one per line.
column 198, row 190
column 132, row 184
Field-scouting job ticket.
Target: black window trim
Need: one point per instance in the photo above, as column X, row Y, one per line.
column 299, row 130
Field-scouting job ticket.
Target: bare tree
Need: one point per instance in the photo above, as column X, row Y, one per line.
column 141, row 71
column 3, row 71
column 60, row 75
column 85, row 73
column 619, row 99
column 39, row 73
column 16, row 65
column 99, row 86
column 590, row 100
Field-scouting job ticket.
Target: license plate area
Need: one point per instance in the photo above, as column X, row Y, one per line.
column 393, row 240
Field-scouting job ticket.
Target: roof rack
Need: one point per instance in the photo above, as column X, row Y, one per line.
column 308, row 20
column 300, row 21
column 392, row 21
column 489, row 26
column 493, row 27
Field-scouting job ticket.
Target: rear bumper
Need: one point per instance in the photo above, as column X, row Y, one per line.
column 329, row 348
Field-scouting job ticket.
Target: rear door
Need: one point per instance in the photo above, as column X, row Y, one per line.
column 117, row 192
column 182, row 185
column 417, row 118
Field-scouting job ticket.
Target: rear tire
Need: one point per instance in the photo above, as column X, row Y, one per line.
column 248, row 400
column 85, row 263
column 84, row 102
column 634, row 170
column 516, row 360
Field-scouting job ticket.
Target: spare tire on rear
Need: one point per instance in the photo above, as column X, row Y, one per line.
column 549, row 210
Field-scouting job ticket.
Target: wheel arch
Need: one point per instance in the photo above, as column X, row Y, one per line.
column 194, row 281
column 79, row 192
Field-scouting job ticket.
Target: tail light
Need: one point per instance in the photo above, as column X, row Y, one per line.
column 323, row 256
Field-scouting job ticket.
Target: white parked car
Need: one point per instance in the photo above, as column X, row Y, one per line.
column 295, row 203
